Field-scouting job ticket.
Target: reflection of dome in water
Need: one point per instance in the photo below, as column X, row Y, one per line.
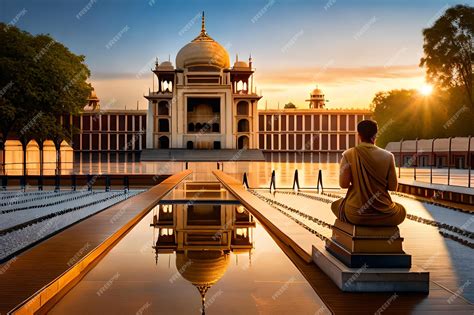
column 202, row 268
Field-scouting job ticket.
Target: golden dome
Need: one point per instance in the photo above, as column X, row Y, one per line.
column 166, row 65
column 240, row 65
column 203, row 51
column 202, row 267
column 93, row 95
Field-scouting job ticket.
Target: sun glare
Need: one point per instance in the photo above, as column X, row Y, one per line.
column 426, row 89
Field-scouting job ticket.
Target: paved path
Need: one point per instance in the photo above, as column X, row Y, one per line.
column 23, row 276
column 295, row 241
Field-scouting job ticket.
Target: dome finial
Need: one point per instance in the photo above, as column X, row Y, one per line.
column 203, row 24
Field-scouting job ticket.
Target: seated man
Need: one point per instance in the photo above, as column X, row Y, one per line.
column 369, row 173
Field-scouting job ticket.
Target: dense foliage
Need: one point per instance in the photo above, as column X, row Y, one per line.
column 449, row 51
column 406, row 114
column 40, row 79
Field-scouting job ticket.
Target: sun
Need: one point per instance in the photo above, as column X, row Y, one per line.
column 426, row 89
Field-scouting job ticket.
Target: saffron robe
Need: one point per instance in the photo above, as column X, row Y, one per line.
column 368, row 201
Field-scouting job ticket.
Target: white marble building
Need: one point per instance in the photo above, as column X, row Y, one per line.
column 203, row 102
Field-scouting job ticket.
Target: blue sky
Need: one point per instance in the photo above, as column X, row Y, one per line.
column 351, row 49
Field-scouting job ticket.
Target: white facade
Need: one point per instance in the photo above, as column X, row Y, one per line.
column 203, row 103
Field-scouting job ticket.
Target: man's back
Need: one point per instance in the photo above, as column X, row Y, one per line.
column 372, row 174
column 369, row 173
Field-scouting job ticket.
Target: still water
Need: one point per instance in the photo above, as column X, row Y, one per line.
column 259, row 173
column 190, row 258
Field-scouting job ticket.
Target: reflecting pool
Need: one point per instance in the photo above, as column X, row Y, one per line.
column 196, row 257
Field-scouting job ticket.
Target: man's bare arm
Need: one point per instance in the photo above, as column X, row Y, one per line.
column 345, row 176
column 392, row 176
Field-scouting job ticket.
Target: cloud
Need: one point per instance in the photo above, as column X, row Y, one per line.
column 343, row 86
column 114, row 76
column 336, row 76
column 308, row 75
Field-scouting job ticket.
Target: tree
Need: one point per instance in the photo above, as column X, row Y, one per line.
column 290, row 105
column 449, row 50
column 39, row 77
column 407, row 114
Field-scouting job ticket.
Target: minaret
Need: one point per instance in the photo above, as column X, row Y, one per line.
column 203, row 35
column 316, row 99
column 203, row 24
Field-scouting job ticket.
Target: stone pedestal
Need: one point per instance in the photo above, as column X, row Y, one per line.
column 366, row 246
column 368, row 259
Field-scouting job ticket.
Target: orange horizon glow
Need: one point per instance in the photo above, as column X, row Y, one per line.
column 343, row 87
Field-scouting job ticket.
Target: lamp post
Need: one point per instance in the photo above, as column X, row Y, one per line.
column 400, row 159
column 449, row 159
column 416, row 159
column 433, row 160
column 469, row 159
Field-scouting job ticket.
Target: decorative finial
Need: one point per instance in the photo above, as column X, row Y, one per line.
column 236, row 57
column 203, row 24
column 169, row 57
column 156, row 62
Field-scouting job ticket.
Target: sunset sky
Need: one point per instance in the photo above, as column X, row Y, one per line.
column 351, row 49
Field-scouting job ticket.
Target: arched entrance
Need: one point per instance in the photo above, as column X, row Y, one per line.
column 243, row 142
column 163, row 142
column 49, row 157
column 33, row 158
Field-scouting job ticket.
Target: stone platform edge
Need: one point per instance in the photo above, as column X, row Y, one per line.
column 35, row 302
column 248, row 201
column 370, row 279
